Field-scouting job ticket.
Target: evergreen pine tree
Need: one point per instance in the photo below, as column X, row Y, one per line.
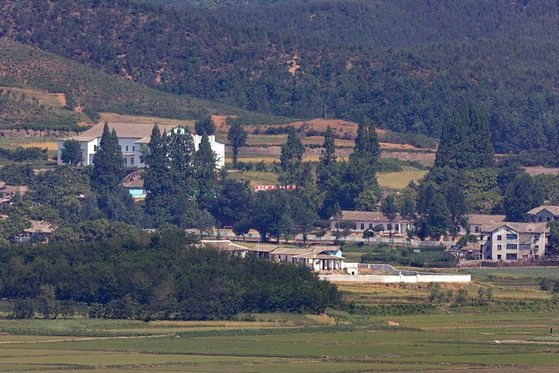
column 465, row 142
column 206, row 174
column 204, row 125
column 170, row 181
column 358, row 179
column 108, row 164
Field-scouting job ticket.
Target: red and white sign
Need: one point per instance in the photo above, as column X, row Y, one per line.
column 259, row 188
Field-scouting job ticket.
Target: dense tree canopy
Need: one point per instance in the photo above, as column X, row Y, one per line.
column 159, row 276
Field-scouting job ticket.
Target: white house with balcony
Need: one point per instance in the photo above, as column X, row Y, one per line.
column 132, row 137
column 511, row 242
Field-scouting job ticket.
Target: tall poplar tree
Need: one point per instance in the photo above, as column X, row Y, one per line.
column 327, row 175
column 291, row 158
column 237, row 137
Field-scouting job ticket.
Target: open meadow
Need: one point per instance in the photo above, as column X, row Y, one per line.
column 517, row 332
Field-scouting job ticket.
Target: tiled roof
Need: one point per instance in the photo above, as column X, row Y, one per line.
column 41, row 226
column 483, row 219
column 540, row 170
column 288, row 251
column 123, row 130
column 552, row 209
column 374, row 216
column 523, row 227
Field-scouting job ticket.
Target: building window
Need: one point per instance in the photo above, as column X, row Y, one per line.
column 133, row 148
column 370, row 225
column 362, row 226
column 498, row 257
column 125, row 160
column 512, row 246
column 499, row 247
column 94, row 148
column 499, row 237
column 511, row 236
column 131, row 160
column 126, row 147
column 476, row 229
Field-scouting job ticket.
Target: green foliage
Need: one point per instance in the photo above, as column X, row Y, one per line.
column 237, row 137
column 499, row 55
column 521, row 195
column 553, row 237
column 71, row 153
column 206, row 174
column 21, row 154
column 204, row 125
column 550, row 187
column 170, row 183
column 108, row 166
column 465, row 142
column 481, row 191
column 328, row 154
column 435, row 215
column 388, row 207
column 28, row 113
column 163, row 276
column 291, row 158
column 17, row 174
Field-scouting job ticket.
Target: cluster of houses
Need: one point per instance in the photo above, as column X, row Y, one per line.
column 497, row 239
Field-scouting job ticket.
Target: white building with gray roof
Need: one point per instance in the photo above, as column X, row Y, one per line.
column 132, row 137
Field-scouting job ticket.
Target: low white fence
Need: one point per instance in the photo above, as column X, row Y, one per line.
column 396, row 279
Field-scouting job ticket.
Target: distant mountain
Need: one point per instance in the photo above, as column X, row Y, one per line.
column 408, row 65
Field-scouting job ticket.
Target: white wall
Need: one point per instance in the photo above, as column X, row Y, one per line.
column 394, row 279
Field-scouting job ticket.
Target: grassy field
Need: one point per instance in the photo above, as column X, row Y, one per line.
column 399, row 180
column 488, row 339
column 501, row 342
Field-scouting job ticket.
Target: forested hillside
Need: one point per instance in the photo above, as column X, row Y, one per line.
column 85, row 89
column 405, row 65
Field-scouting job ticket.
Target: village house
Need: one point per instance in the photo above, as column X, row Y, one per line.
column 132, row 137
column 478, row 223
column 509, row 242
column 8, row 192
column 317, row 258
column 39, row 230
column 544, row 214
column 363, row 220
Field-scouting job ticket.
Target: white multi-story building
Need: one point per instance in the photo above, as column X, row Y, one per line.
column 132, row 137
column 514, row 242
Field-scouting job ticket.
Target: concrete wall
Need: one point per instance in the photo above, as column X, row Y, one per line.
column 396, row 279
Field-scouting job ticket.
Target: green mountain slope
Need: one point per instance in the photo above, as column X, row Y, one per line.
column 405, row 64
column 88, row 89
